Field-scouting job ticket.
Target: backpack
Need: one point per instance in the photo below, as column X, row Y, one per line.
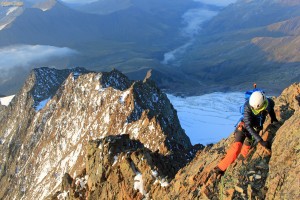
column 247, row 97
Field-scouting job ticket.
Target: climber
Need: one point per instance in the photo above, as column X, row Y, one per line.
column 255, row 111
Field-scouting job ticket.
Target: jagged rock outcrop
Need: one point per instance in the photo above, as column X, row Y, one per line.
column 283, row 180
column 18, row 136
column 47, row 81
column 120, row 168
column 2, row 107
column 41, row 144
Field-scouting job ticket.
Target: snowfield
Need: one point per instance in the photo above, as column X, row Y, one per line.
column 6, row 100
column 210, row 117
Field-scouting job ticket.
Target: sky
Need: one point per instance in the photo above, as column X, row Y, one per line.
column 212, row 2
column 217, row 2
column 78, row 1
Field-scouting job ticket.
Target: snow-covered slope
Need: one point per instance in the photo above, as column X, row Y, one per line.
column 208, row 118
column 6, row 100
column 8, row 14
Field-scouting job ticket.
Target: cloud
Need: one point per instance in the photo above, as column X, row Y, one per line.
column 217, row 2
column 171, row 56
column 26, row 55
column 16, row 62
column 194, row 18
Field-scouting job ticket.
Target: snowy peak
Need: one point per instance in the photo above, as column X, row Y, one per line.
column 9, row 11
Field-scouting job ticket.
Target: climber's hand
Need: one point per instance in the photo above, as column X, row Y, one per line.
column 276, row 124
column 266, row 145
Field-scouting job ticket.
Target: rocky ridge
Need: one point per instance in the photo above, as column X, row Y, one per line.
column 102, row 136
column 40, row 145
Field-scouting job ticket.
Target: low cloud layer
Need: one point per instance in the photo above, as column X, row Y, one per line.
column 217, row 2
column 17, row 61
column 25, row 55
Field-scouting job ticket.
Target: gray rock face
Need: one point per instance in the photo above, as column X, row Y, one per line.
column 2, row 107
column 47, row 81
column 118, row 167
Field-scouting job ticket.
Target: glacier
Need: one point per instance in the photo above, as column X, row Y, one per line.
column 208, row 118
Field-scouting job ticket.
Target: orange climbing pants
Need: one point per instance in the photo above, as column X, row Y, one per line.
column 235, row 149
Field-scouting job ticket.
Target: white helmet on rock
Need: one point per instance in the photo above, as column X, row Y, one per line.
column 257, row 100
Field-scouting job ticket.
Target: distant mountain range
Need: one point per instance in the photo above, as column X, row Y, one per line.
column 59, row 25
column 252, row 40
column 130, row 39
